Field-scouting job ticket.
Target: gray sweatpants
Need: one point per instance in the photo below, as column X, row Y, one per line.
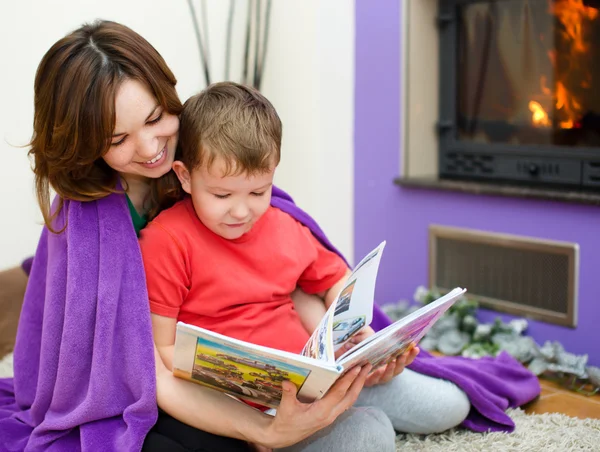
column 410, row 403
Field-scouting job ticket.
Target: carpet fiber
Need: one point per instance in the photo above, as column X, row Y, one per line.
column 534, row 433
column 6, row 366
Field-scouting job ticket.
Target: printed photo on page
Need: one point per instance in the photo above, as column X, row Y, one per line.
column 354, row 304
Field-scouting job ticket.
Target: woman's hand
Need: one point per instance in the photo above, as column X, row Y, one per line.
column 295, row 420
column 226, row 416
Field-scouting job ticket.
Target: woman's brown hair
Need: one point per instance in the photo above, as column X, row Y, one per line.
column 74, row 103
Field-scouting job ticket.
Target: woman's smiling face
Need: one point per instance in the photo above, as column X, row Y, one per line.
column 145, row 136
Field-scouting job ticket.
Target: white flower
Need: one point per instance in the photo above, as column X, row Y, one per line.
column 518, row 325
column 420, row 294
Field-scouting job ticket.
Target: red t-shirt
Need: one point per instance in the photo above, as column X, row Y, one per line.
column 240, row 288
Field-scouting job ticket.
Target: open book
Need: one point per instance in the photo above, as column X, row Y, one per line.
column 254, row 373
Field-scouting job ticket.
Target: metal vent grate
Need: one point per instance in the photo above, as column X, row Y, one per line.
column 518, row 275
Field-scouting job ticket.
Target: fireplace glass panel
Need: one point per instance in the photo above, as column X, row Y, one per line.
column 528, row 72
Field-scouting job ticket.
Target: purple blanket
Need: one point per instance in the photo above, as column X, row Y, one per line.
column 84, row 378
column 83, row 361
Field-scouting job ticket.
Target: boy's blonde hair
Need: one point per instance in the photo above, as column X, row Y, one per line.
column 234, row 123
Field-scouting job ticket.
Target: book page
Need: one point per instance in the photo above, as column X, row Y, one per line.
column 351, row 310
column 247, row 371
column 397, row 338
column 319, row 345
column 354, row 304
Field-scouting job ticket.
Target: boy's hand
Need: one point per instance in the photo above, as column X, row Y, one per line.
column 383, row 374
column 357, row 338
column 364, row 333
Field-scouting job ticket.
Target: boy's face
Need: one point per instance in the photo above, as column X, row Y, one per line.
column 227, row 205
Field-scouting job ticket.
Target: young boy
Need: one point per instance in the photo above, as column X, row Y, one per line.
column 223, row 258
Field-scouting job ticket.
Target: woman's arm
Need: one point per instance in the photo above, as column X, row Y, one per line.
column 217, row 413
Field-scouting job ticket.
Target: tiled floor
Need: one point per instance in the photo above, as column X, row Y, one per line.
column 556, row 399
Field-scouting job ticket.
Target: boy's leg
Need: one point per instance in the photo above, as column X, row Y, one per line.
column 365, row 429
column 417, row 403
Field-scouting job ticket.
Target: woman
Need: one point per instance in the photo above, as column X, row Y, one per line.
column 84, row 342
column 106, row 123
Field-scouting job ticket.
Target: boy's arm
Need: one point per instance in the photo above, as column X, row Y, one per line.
column 167, row 281
column 312, row 308
column 330, row 294
column 163, row 330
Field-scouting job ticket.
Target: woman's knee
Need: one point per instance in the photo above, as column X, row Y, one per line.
column 451, row 409
column 373, row 431
column 417, row 403
column 365, row 429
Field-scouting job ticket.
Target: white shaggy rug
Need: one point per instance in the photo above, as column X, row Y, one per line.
column 6, row 366
column 534, row 433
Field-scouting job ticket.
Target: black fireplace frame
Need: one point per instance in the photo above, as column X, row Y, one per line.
column 553, row 166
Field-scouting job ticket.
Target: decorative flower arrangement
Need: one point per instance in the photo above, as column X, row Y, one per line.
column 459, row 332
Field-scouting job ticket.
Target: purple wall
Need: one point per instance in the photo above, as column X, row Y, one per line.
column 401, row 216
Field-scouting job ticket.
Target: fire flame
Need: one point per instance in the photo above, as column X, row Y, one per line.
column 539, row 115
column 567, row 103
column 572, row 14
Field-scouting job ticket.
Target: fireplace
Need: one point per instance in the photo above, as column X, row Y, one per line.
column 519, row 97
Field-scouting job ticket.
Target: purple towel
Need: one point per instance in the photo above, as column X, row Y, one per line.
column 492, row 384
column 83, row 360
column 87, row 336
